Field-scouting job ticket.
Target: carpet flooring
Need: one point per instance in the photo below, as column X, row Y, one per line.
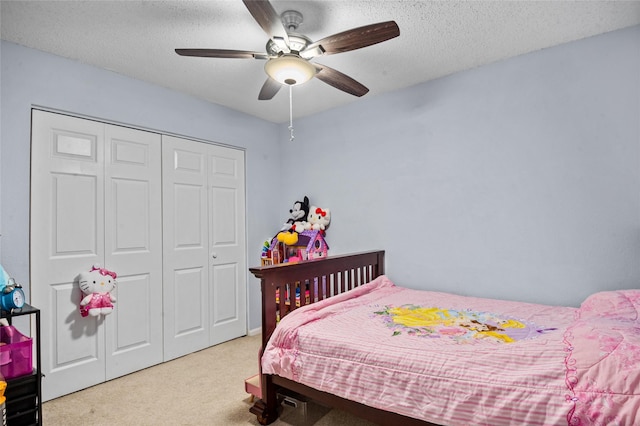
column 202, row 388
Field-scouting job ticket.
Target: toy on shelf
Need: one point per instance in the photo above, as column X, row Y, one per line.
column 289, row 238
column 319, row 219
column 301, row 238
column 298, row 219
column 265, row 257
column 309, row 245
column 96, row 286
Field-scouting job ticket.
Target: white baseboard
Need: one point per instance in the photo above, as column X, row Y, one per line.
column 255, row 331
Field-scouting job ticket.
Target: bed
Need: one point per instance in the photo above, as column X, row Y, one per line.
column 340, row 332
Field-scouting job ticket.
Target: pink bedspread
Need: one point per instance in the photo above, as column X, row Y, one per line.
column 455, row 360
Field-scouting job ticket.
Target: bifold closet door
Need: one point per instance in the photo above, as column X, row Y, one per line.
column 95, row 199
column 204, row 245
column 227, row 246
column 133, row 248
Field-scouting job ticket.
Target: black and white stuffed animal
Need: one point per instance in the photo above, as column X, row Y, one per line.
column 299, row 214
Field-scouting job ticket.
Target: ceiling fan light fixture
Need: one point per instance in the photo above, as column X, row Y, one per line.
column 290, row 69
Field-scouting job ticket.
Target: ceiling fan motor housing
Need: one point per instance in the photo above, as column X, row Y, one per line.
column 291, row 19
column 297, row 43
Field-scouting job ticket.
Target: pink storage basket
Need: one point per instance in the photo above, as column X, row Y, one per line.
column 15, row 353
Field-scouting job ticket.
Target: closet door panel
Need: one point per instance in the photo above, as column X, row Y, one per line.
column 224, row 294
column 185, row 247
column 188, row 315
column 133, row 241
column 131, row 324
column 66, row 238
column 227, row 247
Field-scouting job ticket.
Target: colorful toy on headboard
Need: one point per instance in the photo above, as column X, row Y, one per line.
column 301, row 238
column 318, row 219
column 308, row 245
column 265, row 249
column 289, row 238
column 299, row 214
column 96, row 286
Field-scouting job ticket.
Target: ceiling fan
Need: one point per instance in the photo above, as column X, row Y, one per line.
column 288, row 53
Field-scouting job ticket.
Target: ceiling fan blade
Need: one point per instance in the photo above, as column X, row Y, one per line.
column 269, row 89
column 268, row 19
column 355, row 38
column 221, row 53
column 340, row 81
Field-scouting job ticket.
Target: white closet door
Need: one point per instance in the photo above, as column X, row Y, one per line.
column 67, row 237
column 204, row 245
column 133, row 248
column 227, row 273
column 95, row 199
column 185, row 246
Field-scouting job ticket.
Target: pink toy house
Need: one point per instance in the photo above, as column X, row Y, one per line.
column 310, row 245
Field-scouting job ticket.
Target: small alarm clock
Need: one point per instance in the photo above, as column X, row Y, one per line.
column 12, row 296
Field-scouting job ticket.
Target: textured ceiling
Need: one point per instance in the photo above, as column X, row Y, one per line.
column 437, row 38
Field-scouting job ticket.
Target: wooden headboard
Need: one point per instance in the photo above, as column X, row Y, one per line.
column 286, row 286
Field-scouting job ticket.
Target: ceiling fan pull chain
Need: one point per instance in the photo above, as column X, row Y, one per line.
column 291, row 112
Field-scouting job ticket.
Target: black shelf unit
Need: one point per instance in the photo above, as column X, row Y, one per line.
column 24, row 393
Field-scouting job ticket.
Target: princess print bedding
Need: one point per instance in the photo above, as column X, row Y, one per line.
column 456, row 360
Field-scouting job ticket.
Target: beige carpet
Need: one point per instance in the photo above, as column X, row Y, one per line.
column 203, row 388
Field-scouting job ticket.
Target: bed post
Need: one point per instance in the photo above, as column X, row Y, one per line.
column 266, row 408
column 380, row 264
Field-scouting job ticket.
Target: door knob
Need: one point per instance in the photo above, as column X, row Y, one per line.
column 214, row 255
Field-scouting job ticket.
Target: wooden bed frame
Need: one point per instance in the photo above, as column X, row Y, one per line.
column 286, row 287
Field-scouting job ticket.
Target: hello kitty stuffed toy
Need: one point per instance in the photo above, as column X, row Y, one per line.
column 96, row 286
column 318, row 219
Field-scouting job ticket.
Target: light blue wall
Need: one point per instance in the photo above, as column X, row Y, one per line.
column 29, row 77
column 517, row 180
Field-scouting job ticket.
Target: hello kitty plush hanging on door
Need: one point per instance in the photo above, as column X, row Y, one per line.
column 96, row 286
